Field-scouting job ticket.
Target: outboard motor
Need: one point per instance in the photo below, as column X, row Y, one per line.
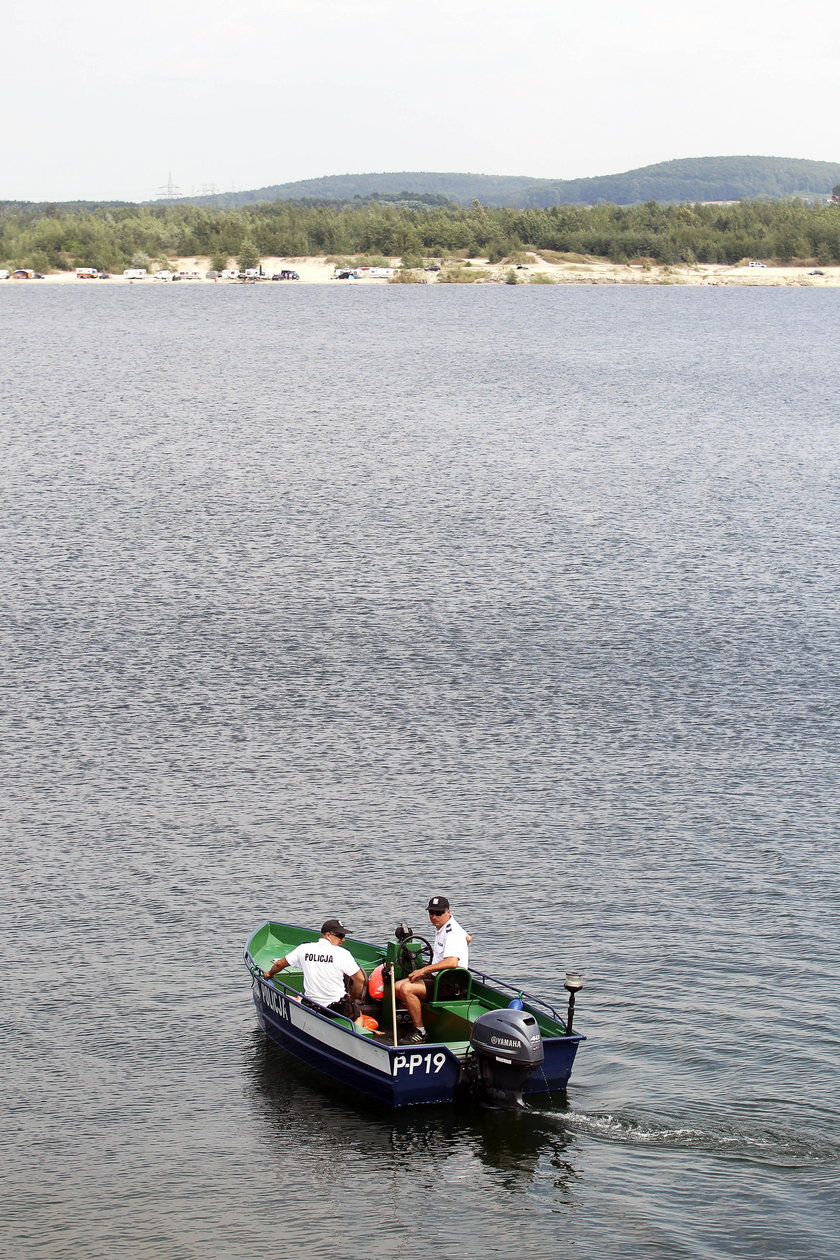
column 506, row 1047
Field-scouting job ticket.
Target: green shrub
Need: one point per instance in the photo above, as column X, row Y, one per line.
column 460, row 275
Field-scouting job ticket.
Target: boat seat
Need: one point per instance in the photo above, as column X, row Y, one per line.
column 451, row 985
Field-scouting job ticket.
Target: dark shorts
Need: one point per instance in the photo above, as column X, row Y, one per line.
column 344, row 1006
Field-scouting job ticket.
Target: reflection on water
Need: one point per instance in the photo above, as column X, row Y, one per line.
column 305, row 1109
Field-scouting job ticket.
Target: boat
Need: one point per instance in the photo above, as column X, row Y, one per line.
column 486, row 1039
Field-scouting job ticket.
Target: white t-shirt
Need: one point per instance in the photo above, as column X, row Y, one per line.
column 324, row 967
column 451, row 941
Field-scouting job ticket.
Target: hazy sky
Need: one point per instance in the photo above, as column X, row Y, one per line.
column 104, row 100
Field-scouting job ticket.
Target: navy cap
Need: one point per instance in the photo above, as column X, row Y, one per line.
column 335, row 928
column 438, row 905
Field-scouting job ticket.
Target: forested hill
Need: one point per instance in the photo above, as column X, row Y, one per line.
column 684, row 179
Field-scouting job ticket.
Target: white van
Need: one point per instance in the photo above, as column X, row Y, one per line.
column 4, row 275
column 86, row 273
column 135, row 273
column 756, row 264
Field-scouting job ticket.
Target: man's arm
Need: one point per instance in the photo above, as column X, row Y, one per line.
column 277, row 965
column 357, row 984
column 422, row 972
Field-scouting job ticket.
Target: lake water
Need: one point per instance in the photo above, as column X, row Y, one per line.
column 321, row 602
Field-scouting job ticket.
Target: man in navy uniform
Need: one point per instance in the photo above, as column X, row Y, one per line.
column 451, row 949
column 324, row 964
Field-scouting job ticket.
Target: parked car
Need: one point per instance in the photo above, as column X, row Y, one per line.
column 816, row 273
column 104, row 275
column 432, row 267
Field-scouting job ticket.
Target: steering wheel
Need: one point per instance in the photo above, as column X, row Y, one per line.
column 408, row 960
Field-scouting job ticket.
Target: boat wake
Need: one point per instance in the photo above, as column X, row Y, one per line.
column 773, row 1146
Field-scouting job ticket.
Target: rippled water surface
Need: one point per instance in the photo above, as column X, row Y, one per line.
column 322, row 602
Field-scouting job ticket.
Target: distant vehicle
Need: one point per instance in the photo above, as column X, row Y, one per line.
column 816, row 273
column 37, row 275
column 345, row 275
column 757, row 264
column 212, row 275
column 135, row 273
column 230, row 274
column 86, row 273
column 104, row 275
column 432, row 267
column 4, row 275
column 163, row 274
column 286, row 275
column 521, row 267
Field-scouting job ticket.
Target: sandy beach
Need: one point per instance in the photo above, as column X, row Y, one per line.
column 538, row 270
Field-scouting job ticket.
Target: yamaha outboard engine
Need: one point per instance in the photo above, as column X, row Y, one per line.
column 507, row 1047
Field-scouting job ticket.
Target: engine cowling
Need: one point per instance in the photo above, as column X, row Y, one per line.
column 507, row 1048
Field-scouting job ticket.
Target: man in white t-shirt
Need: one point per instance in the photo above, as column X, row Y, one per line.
column 325, row 964
column 451, row 949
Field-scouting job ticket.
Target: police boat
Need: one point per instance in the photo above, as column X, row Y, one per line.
column 485, row 1039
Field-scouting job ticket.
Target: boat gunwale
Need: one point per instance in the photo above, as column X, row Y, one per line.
column 489, row 982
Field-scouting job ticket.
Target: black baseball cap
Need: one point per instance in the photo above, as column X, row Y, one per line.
column 335, row 928
column 438, row 905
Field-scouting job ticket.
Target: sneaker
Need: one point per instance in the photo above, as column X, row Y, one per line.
column 416, row 1037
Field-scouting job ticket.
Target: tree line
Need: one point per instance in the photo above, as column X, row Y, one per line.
column 50, row 238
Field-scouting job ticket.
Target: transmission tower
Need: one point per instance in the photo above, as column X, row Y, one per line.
column 169, row 191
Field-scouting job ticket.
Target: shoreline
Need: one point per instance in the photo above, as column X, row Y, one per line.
column 320, row 270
